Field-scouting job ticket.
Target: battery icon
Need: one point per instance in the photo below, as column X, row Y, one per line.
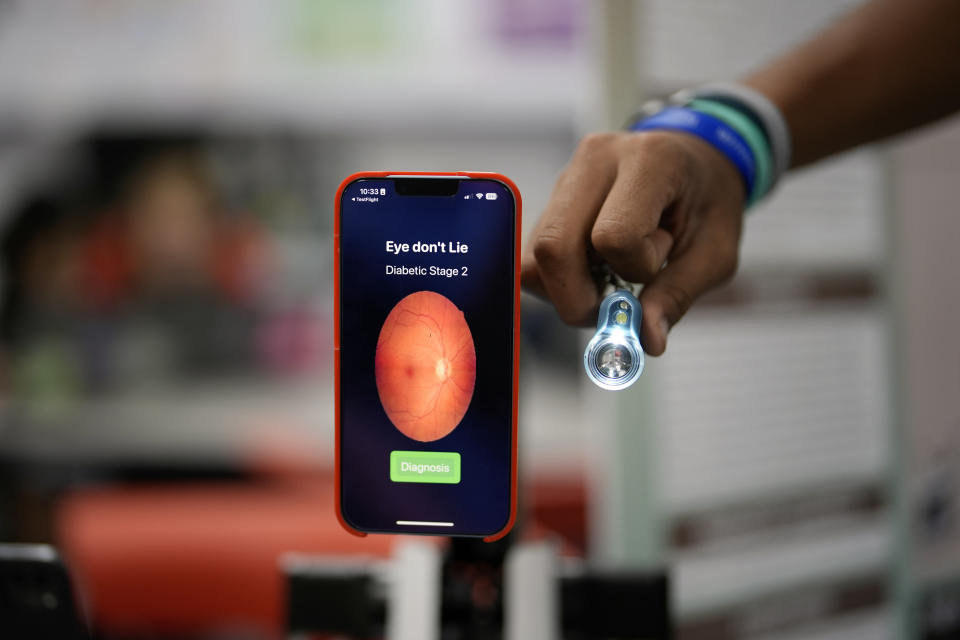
column 491, row 196
column 383, row 191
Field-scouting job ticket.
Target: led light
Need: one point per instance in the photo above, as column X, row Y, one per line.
column 614, row 357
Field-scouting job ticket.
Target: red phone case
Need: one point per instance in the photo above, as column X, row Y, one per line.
column 516, row 328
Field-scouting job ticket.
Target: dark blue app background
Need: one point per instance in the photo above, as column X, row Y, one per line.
column 480, row 503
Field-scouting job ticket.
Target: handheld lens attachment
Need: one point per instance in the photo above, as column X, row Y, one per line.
column 614, row 358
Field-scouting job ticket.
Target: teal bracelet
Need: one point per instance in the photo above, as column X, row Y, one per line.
column 753, row 136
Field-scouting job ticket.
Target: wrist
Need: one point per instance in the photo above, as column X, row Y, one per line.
column 739, row 101
column 712, row 130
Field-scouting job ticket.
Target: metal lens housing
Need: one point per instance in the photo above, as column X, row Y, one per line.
column 614, row 358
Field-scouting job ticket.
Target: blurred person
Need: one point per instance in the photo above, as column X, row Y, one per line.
column 182, row 274
column 39, row 250
column 157, row 281
column 664, row 207
column 39, row 254
column 168, row 235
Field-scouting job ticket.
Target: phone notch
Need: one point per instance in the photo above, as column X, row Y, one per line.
column 427, row 186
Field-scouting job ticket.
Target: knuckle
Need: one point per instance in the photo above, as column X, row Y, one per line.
column 660, row 157
column 593, row 143
column 661, row 141
column 549, row 247
column 662, row 145
column 610, row 237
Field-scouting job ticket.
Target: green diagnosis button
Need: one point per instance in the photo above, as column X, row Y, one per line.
column 425, row 466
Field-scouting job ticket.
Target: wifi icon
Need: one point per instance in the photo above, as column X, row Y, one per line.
column 479, row 196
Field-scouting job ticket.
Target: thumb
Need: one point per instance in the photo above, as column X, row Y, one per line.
column 709, row 261
column 530, row 279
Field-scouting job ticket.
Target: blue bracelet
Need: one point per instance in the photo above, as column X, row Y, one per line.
column 714, row 131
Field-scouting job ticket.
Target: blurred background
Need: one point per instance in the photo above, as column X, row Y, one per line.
column 167, row 174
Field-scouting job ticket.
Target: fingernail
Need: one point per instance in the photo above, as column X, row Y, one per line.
column 665, row 328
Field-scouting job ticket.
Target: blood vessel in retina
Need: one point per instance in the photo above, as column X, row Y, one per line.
column 426, row 366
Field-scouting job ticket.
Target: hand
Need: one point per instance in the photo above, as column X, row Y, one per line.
column 659, row 207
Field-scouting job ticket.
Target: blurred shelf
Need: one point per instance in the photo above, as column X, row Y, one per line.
column 827, row 217
column 502, row 97
column 431, row 68
column 690, row 41
column 213, row 423
column 758, row 402
column 709, row 581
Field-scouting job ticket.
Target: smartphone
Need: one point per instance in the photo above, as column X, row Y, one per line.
column 426, row 350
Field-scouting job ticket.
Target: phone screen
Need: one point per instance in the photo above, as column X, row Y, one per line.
column 426, row 355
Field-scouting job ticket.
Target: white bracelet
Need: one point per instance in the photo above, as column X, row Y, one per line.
column 763, row 109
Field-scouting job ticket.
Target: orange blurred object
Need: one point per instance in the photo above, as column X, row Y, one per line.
column 190, row 559
column 202, row 558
